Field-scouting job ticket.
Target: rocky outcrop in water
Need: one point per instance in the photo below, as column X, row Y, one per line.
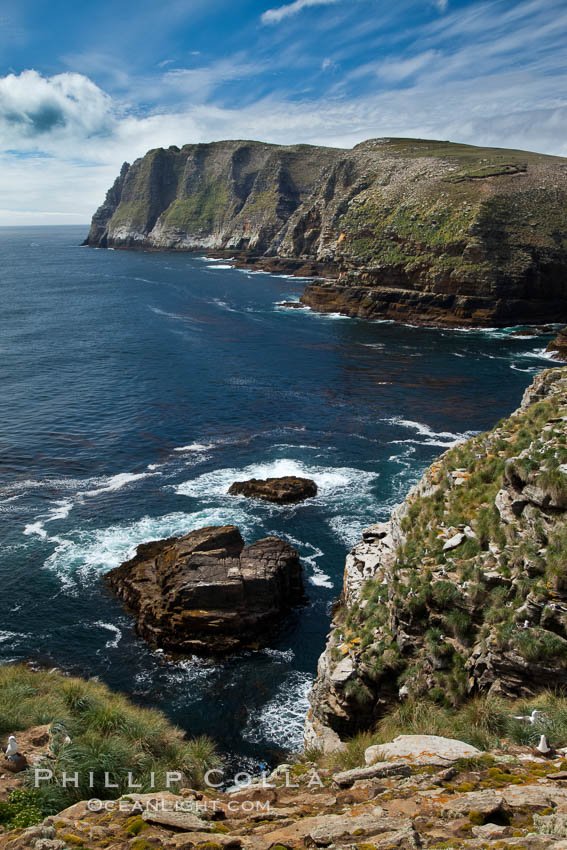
column 415, row 230
column 207, row 592
column 464, row 590
column 558, row 346
column 283, row 491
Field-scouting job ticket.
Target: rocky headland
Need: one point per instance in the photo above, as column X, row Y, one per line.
column 207, row 592
column 406, row 229
column 463, row 591
column 283, row 491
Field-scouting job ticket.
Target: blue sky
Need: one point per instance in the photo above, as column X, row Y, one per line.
column 84, row 87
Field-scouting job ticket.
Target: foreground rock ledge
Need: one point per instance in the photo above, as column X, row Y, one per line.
column 283, row 491
column 207, row 592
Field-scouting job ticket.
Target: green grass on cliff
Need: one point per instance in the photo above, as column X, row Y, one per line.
column 203, row 208
column 472, row 597
column 107, row 734
column 487, row 723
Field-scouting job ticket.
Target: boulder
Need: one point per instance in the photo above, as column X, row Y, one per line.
column 420, row 746
column 282, row 491
column 346, row 778
column 207, row 592
column 186, row 821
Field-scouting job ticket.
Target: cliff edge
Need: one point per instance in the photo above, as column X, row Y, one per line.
column 464, row 590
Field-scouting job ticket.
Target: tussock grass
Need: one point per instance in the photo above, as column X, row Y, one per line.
column 487, row 723
column 94, row 730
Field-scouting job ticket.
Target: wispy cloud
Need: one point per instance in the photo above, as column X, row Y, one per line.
column 274, row 16
column 399, row 69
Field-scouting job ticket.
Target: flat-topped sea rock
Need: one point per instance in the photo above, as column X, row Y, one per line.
column 284, row 491
column 207, row 592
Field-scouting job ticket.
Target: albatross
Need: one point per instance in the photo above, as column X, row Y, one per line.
column 532, row 718
column 12, row 748
column 543, row 748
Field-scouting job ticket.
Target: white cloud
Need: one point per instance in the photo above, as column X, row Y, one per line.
column 35, row 109
column 442, row 5
column 329, row 65
column 274, row 16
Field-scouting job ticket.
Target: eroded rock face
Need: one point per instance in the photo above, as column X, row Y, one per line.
column 207, row 592
column 283, row 491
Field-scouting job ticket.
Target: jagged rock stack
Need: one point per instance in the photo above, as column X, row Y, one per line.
column 207, row 592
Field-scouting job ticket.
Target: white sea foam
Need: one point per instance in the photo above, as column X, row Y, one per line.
column 60, row 510
column 220, row 266
column 196, row 447
column 279, row 654
column 531, row 370
column 540, row 354
column 114, row 641
column 86, row 552
column 441, row 438
column 329, row 480
column 215, row 259
column 10, row 636
column 309, row 554
column 281, row 719
column 116, row 482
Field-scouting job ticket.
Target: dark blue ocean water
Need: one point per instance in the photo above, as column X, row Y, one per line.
column 137, row 386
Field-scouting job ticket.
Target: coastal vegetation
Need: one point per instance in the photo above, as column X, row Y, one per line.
column 93, row 731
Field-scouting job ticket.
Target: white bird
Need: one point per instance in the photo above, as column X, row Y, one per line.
column 532, row 718
column 543, row 747
column 526, row 624
column 12, row 748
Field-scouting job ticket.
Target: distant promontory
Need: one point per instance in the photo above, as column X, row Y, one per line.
column 408, row 229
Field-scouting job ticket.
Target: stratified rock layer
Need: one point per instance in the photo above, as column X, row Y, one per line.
column 283, row 491
column 411, row 229
column 207, row 592
column 464, row 589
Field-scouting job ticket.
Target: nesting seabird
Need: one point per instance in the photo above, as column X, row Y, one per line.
column 543, row 748
column 12, row 748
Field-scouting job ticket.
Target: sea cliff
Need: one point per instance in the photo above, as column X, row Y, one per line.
column 420, row 231
column 463, row 591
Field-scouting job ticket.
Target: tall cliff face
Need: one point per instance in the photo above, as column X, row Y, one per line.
column 421, row 230
column 464, row 589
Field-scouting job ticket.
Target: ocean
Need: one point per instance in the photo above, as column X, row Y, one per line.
column 136, row 387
